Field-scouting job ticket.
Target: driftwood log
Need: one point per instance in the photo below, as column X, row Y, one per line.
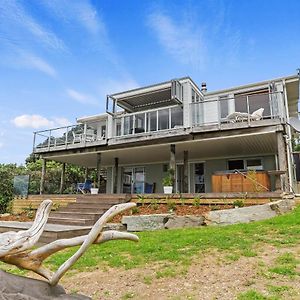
column 15, row 247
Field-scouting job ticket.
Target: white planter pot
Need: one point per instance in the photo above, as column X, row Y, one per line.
column 168, row 189
column 94, row 191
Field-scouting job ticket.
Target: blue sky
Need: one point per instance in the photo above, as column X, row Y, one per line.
column 60, row 58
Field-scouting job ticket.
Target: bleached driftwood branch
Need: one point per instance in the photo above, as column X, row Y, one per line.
column 14, row 246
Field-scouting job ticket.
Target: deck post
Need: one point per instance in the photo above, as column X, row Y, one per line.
column 185, row 171
column 116, row 177
column 42, row 182
column 86, row 174
column 282, row 161
column 172, row 165
column 98, row 170
column 62, row 178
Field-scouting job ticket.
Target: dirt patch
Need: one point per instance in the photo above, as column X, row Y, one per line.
column 22, row 217
column 179, row 210
column 211, row 276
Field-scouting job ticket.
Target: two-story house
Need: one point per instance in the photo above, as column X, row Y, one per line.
column 205, row 137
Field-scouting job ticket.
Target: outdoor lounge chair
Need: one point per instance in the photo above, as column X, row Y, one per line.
column 241, row 116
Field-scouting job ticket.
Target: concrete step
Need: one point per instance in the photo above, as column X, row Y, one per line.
column 67, row 221
column 75, row 215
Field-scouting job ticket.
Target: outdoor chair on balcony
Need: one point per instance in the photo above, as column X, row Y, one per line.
column 77, row 137
column 241, row 116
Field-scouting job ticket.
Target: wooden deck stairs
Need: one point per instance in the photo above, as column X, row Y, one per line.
column 86, row 210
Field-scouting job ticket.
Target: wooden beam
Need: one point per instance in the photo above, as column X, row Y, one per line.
column 42, row 182
column 116, row 177
column 282, row 161
column 185, row 171
column 62, row 178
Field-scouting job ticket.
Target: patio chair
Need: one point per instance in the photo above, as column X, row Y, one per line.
column 84, row 187
column 241, row 116
column 77, row 138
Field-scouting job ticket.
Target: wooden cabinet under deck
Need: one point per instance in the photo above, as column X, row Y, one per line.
column 258, row 181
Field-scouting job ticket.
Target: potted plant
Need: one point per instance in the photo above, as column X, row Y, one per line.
column 94, row 189
column 168, row 182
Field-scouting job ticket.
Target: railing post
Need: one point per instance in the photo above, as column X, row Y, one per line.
column 248, row 109
column 84, row 133
column 219, row 112
column 66, row 139
column 49, row 139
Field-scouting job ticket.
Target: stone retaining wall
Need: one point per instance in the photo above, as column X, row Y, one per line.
column 220, row 217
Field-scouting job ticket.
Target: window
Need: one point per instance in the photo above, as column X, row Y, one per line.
column 152, row 121
column 176, row 117
column 163, row 119
column 140, row 123
column 254, row 164
column 236, row 164
column 118, row 127
column 245, row 164
column 224, row 106
column 256, row 99
column 128, row 125
column 103, row 130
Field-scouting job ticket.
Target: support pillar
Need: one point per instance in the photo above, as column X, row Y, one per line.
column 185, row 171
column 62, row 178
column 42, row 183
column 282, row 161
column 116, row 175
column 172, row 165
column 98, row 170
column 86, row 174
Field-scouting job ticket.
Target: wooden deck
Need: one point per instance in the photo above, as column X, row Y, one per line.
column 33, row 201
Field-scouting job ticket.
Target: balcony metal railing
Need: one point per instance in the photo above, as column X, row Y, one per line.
column 148, row 121
column 65, row 137
column 242, row 108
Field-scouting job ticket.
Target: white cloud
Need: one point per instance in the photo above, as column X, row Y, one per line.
column 19, row 23
column 34, row 62
column 81, row 12
column 181, row 40
column 38, row 121
column 82, row 98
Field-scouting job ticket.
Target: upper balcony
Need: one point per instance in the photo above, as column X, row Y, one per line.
column 87, row 132
column 238, row 111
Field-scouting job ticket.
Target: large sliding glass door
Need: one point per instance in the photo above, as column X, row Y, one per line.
column 199, row 184
column 133, row 180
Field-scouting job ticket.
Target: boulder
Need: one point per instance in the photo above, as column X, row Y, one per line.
column 184, row 221
column 145, row 222
column 249, row 214
column 14, row 287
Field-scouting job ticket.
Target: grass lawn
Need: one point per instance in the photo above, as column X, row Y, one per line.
column 172, row 254
column 182, row 244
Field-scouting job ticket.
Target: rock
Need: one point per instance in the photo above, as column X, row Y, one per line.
column 114, row 226
column 14, row 287
column 184, row 221
column 4, row 215
column 145, row 222
column 249, row 214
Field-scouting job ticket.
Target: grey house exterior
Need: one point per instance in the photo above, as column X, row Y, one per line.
column 179, row 125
